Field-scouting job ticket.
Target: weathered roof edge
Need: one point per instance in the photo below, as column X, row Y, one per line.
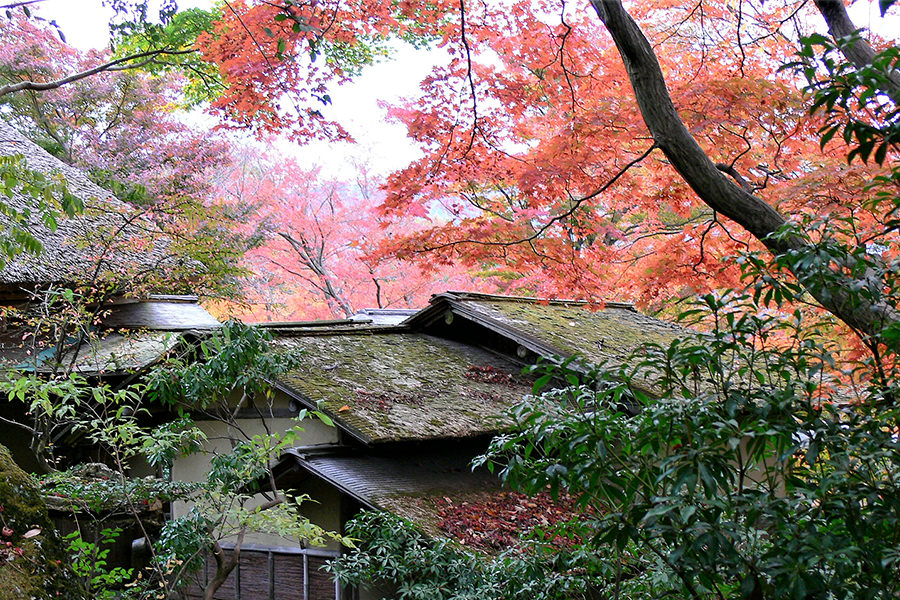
column 329, row 327
column 293, row 394
column 440, row 303
column 297, row 456
column 532, row 300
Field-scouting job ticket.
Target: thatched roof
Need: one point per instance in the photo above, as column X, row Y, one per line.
column 76, row 250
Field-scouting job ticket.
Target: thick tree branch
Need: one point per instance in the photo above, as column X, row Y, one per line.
column 858, row 52
column 224, row 566
column 119, row 64
column 713, row 187
column 730, row 170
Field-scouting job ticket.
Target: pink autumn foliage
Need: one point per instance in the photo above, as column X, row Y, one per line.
column 322, row 250
column 125, row 124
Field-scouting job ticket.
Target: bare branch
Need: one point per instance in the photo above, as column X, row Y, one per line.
column 119, row 64
column 22, row 3
column 576, row 204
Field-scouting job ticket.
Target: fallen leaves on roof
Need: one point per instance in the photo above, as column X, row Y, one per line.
column 503, row 519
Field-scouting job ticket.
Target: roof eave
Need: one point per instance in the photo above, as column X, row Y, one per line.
column 308, row 403
column 310, row 468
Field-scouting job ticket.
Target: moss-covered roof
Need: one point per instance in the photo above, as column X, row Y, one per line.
column 608, row 334
column 602, row 336
column 105, row 355
column 392, row 385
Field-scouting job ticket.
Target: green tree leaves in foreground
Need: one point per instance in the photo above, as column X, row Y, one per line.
column 236, row 496
column 47, row 199
column 759, row 472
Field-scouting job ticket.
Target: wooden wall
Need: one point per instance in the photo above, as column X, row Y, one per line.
column 274, row 574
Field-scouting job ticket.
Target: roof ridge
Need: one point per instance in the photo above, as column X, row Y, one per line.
column 323, row 328
column 529, row 299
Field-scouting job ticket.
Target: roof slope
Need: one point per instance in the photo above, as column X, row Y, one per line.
column 411, row 485
column 559, row 327
column 391, row 385
column 106, row 354
column 130, row 338
column 160, row 314
column 72, row 253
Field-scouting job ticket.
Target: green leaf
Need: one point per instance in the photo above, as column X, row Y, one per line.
column 323, row 417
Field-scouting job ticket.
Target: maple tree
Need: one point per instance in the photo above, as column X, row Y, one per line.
column 119, row 123
column 123, row 128
column 535, row 150
column 547, row 160
column 588, row 185
column 318, row 255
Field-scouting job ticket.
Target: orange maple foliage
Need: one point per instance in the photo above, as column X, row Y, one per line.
column 278, row 59
column 538, row 167
column 551, row 121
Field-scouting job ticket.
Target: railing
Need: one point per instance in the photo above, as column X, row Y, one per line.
column 274, row 573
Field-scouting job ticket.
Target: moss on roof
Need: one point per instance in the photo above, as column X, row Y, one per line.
column 392, row 386
column 121, row 353
column 111, row 353
column 607, row 336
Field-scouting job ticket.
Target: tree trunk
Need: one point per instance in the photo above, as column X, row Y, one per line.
column 713, row 187
column 858, row 52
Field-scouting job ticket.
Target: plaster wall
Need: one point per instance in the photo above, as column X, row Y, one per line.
column 220, row 437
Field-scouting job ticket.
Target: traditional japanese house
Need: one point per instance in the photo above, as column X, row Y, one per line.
column 414, row 395
column 121, row 262
column 413, row 402
column 110, row 250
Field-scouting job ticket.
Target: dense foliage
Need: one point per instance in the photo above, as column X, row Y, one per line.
column 399, row 560
column 760, row 471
